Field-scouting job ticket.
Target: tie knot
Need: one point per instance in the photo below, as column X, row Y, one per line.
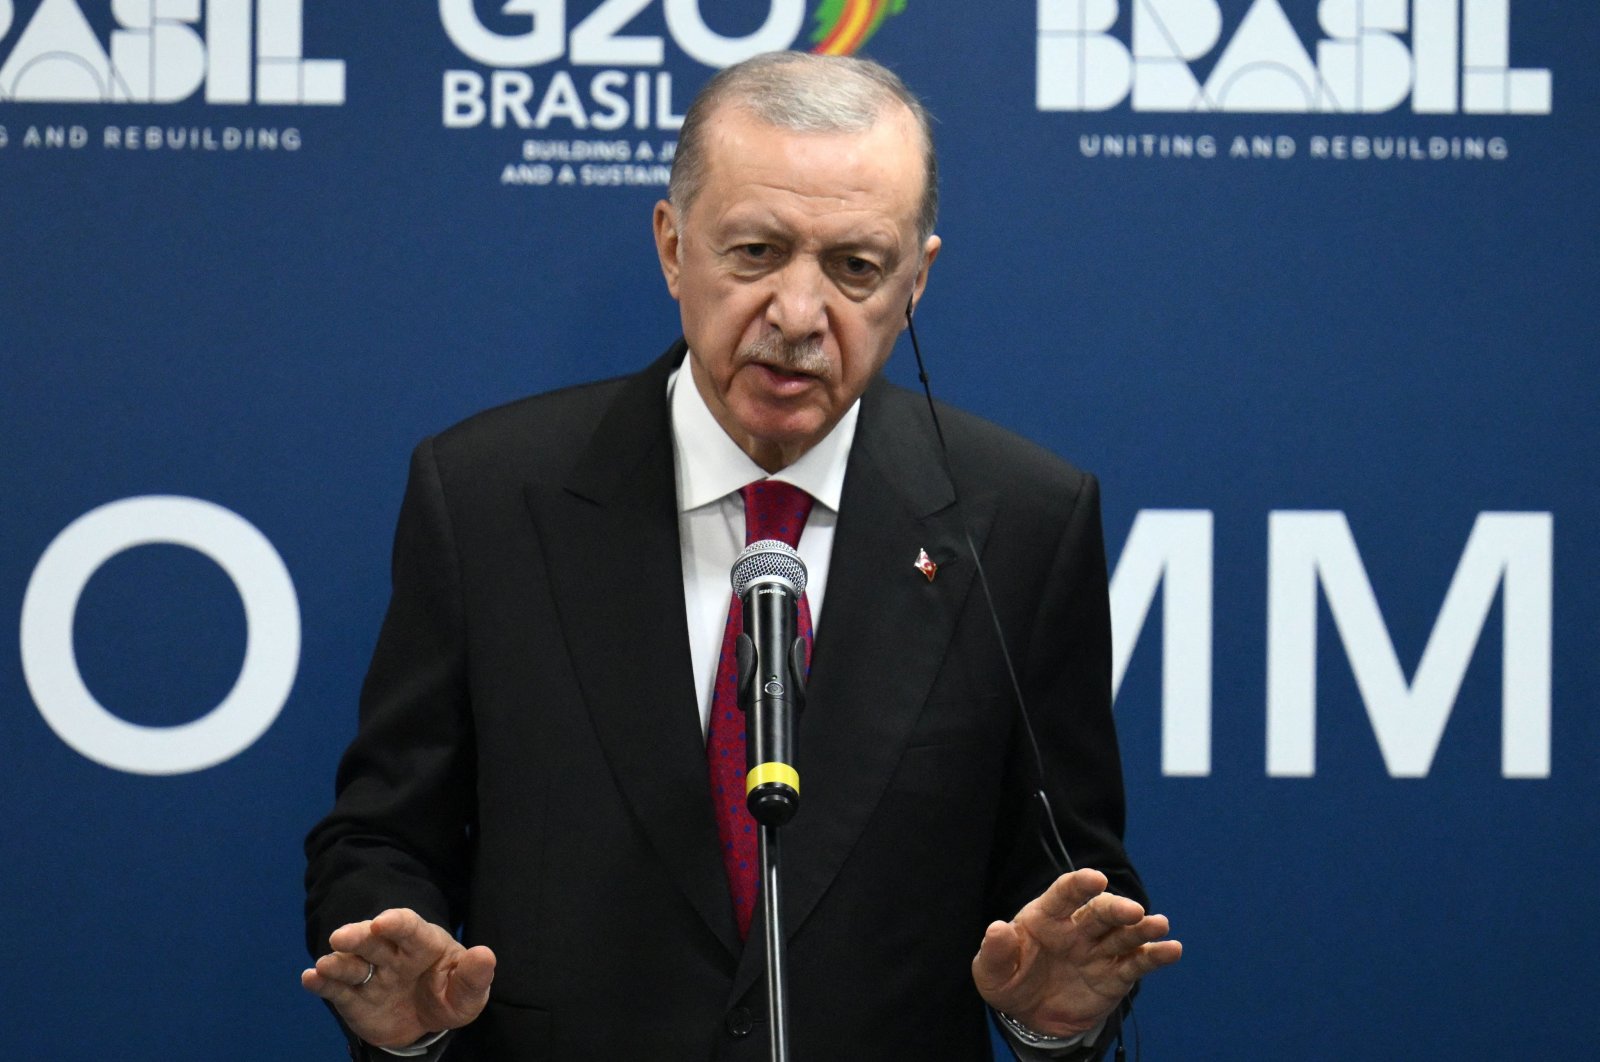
column 773, row 509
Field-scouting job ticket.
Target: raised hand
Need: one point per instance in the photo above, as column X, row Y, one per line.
column 397, row 978
column 1067, row 959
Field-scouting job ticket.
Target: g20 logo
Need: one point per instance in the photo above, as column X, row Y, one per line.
column 619, row 86
column 839, row 28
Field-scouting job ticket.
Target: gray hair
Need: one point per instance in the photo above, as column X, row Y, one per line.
column 809, row 94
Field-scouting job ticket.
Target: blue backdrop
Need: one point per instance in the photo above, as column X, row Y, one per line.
column 1311, row 287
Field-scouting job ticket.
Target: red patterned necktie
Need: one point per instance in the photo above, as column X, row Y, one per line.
column 771, row 510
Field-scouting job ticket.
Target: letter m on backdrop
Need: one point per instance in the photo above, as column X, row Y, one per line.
column 1505, row 550
column 1170, row 550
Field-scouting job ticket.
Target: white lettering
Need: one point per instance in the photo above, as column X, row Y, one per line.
column 595, row 41
column 1167, row 33
column 1365, row 65
column 272, row 641
column 157, row 59
column 665, row 118
column 544, row 41
column 57, row 59
column 463, row 99
column 561, row 101
column 1080, row 66
column 1172, row 550
column 1509, row 549
column 228, row 45
column 507, row 98
column 282, row 76
column 1265, row 67
column 1435, row 41
column 688, row 28
column 604, row 90
column 1488, row 85
column 52, row 136
column 157, row 55
column 509, row 93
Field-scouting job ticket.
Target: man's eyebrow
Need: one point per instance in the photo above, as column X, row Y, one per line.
column 882, row 244
column 749, row 225
column 765, row 228
column 879, row 240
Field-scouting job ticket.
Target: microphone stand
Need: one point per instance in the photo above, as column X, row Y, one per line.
column 772, row 785
column 769, row 578
column 777, row 982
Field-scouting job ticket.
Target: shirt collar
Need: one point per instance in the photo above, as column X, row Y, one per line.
column 711, row 466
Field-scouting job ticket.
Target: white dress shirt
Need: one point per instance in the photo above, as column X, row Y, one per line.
column 710, row 468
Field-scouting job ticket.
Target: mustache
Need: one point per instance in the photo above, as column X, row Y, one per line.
column 803, row 356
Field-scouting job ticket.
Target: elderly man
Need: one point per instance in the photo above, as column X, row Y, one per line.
column 531, row 767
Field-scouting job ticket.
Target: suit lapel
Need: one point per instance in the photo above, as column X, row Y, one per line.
column 611, row 540
column 610, row 536
column 884, row 632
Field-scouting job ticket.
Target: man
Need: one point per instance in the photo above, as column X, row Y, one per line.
column 529, row 764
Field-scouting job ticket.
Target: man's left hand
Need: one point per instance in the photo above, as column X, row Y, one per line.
column 1067, row 959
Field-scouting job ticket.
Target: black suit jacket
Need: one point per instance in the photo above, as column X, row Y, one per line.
column 530, row 765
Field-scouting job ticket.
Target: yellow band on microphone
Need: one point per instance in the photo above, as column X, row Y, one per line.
column 762, row 773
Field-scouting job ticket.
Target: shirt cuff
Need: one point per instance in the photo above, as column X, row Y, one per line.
column 416, row 1050
column 1056, row 1046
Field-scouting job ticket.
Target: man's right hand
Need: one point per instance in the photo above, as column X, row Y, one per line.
column 396, row 978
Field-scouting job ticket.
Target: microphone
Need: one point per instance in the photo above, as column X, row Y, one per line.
column 768, row 578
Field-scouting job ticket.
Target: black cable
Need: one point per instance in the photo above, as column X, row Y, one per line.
column 1058, row 855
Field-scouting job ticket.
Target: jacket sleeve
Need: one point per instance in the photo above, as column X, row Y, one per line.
column 402, row 825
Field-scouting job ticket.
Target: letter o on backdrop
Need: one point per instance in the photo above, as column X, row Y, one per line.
column 272, row 634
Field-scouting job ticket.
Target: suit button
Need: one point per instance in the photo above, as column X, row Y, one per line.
column 739, row 1022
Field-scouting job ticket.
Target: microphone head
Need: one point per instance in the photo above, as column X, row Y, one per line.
column 769, row 560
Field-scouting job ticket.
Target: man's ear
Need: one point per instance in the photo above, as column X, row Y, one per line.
column 930, row 251
column 665, row 224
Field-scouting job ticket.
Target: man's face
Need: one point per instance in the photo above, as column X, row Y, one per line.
column 793, row 267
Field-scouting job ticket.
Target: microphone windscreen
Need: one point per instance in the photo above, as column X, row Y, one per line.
column 769, row 559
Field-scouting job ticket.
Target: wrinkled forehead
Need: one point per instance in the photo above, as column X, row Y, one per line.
column 887, row 111
column 881, row 157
